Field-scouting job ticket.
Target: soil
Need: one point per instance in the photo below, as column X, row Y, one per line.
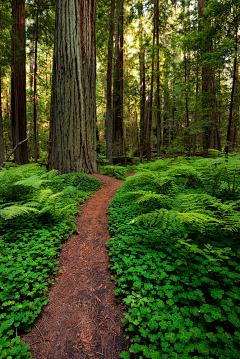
column 82, row 319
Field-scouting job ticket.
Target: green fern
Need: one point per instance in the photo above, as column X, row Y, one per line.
column 200, row 221
column 16, row 210
column 34, row 181
column 158, row 218
column 147, row 198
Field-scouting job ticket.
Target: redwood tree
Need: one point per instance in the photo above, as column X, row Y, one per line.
column 109, row 88
column 74, row 87
column 18, row 82
column 118, row 83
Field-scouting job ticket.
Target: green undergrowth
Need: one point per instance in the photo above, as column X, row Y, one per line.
column 37, row 212
column 117, row 171
column 175, row 257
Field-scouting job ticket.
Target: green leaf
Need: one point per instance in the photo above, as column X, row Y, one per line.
column 124, row 355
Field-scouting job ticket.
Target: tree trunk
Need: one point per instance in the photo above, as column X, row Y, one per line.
column 151, row 88
column 211, row 138
column 142, row 82
column 1, row 124
column 158, row 103
column 109, row 88
column 18, row 82
column 232, row 92
column 74, row 88
column 35, row 93
column 118, row 84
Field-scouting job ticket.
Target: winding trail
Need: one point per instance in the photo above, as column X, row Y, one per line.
column 82, row 319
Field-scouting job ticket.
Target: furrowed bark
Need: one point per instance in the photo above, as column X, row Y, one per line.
column 73, row 131
column 18, row 82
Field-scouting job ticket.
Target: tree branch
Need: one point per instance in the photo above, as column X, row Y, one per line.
column 10, row 154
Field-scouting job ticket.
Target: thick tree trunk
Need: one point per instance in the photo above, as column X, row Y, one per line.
column 118, row 84
column 74, row 87
column 1, row 124
column 18, row 82
column 109, row 88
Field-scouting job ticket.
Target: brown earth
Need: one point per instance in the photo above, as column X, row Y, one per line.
column 82, row 319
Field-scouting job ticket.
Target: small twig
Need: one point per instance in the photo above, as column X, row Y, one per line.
column 35, row 343
column 10, row 154
column 184, row 184
column 39, row 332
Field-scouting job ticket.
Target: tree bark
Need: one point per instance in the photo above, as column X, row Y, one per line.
column 158, row 104
column 73, row 130
column 211, row 137
column 232, row 92
column 35, row 92
column 142, row 82
column 18, row 82
column 109, row 88
column 1, row 124
column 151, row 88
column 118, row 83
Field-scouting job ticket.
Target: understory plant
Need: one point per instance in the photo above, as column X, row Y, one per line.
column 175, row 257
column 37, row 212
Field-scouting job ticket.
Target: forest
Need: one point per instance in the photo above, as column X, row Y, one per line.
column 142, row 91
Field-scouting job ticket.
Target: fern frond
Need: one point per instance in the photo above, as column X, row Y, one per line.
column 147, row 198
column 34, row 181
column 16, row 210
column 199, row 220
column 160, row 217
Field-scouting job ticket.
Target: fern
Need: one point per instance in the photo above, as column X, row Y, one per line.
column 34, row 181
column 200, row 221
column 16, row 210
column 148, row 198
column 160, row 217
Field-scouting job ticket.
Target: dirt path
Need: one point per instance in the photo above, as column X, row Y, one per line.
column 82, row 319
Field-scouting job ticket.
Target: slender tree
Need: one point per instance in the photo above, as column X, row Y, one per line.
column 142, row 80
column 211, row 138
column 74, row 87
column 118, row 82
column 1, row 124
column 18, row 82
column 109, row 88
column 35, row 89
column 151, row 88
column 158, row 104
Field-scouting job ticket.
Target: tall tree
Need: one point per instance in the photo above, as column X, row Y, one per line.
column 1, row 124
column 35, row 88
column 211, row 138
column 74, row 87
column 151, row 87
column 118, row 82
column 18, row 82
column 109, row 88
column 142, row 80
column 158, row 102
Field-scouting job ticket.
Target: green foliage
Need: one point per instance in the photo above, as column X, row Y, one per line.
column 34, row 223
column 175, row 253
column 118, row 172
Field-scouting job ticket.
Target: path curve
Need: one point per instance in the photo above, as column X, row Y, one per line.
column 82, row 320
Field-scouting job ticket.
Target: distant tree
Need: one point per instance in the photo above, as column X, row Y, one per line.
column 73, row 132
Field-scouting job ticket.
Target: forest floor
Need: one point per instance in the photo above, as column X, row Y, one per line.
column 82, row 319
